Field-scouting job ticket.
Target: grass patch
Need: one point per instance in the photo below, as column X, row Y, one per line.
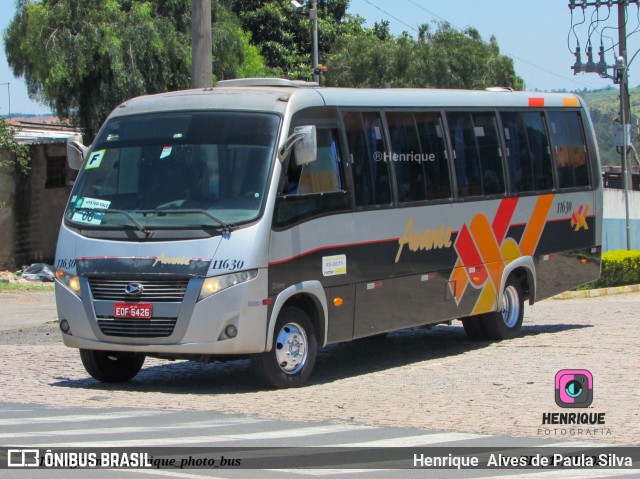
column 18, row 287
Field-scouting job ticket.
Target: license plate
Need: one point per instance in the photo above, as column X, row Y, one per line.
column 133, row 310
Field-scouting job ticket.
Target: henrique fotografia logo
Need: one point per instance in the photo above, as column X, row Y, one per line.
column 574, row 388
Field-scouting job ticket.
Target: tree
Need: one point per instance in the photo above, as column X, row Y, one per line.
column 284, row 36
column 444, row 58
column 18, row 153
column 84, row 58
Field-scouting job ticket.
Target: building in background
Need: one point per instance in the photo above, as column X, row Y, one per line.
column 34, row 203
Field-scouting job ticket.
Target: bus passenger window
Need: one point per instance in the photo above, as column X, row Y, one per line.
column 466, row 156
column 366, row 146
column 407, row 159
column 477, row 153
column 492, row 171
column 530, row 167
column 434, row 157
column 570, row 149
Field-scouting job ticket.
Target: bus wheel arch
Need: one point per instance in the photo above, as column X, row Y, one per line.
column 506, row 322
column 309, row 296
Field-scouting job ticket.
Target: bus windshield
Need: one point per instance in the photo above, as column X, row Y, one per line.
column 176, row 171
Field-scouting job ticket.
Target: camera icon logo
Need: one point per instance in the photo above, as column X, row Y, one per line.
column 574, row 388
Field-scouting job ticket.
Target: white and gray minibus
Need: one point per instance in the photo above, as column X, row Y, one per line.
column 267, row 218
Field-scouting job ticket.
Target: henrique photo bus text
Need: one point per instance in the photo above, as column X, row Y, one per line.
column 267, row 218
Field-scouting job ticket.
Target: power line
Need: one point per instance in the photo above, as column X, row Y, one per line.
column 508, row 53
column 462, row 31
column 389, row 15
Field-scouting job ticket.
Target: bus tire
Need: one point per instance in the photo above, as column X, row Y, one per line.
column 293, row 353
column 474, row 328
column 111, row 366
column 506, row 323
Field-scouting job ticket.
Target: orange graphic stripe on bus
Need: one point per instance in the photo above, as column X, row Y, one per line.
column 484, row 250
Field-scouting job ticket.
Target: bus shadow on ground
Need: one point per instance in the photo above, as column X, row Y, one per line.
column 335, row 362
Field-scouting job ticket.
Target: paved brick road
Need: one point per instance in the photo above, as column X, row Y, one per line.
column 427, row 379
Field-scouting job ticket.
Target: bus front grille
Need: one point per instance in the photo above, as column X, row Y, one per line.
column 137, row 328
column 154, row 290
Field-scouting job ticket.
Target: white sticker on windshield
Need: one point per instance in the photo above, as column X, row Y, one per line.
column 166, row 151
column 95, row 159
column 92, row 203
column 334, row 265
column 88, row 217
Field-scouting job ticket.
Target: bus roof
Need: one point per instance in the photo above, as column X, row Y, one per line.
column 276, row 95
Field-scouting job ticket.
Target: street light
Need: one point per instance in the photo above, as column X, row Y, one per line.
column 313, row 16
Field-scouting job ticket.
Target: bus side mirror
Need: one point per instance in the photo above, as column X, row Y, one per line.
column 75, row 152
column 306, row 149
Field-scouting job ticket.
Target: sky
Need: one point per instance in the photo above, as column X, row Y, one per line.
column 536, row 34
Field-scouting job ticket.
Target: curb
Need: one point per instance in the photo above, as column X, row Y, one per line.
column 594, row 293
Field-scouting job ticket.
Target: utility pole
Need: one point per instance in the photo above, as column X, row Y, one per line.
column 201, row 58
column 625, row 115
column 620, row 76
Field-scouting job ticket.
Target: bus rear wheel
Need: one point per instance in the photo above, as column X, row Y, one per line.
column 503, row 324
column 506, row 323
column 111, row 366
column 293, row 352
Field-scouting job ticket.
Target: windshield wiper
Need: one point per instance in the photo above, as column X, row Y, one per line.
column 128, row 215
column 225, row 227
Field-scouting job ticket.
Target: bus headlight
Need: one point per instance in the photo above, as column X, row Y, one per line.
column 69, row 280
column 218, row 283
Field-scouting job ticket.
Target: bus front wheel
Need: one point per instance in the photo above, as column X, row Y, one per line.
column 293, row 352
column 111, row 366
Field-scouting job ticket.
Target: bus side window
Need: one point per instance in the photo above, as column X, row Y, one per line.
column 315, row 188
column 408, row 166
column 570, row 149
column 492, row 171
column 325, row 174
column 466, row 155
column 434, row 157
column 371, row 179
column 530, row 167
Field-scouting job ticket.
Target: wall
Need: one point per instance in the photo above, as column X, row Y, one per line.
column 614, row 231
column 30, row 221
column 7, row 194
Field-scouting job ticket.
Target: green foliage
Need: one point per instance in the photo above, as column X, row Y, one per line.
column 84, row 58
column 284, row 37
column 233, row 54
column 18, row 154
column 604, row 107
column 619, row 268
column 443, row 58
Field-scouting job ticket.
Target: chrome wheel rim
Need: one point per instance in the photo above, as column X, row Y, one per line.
column 510, row 306
column 291, row 348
